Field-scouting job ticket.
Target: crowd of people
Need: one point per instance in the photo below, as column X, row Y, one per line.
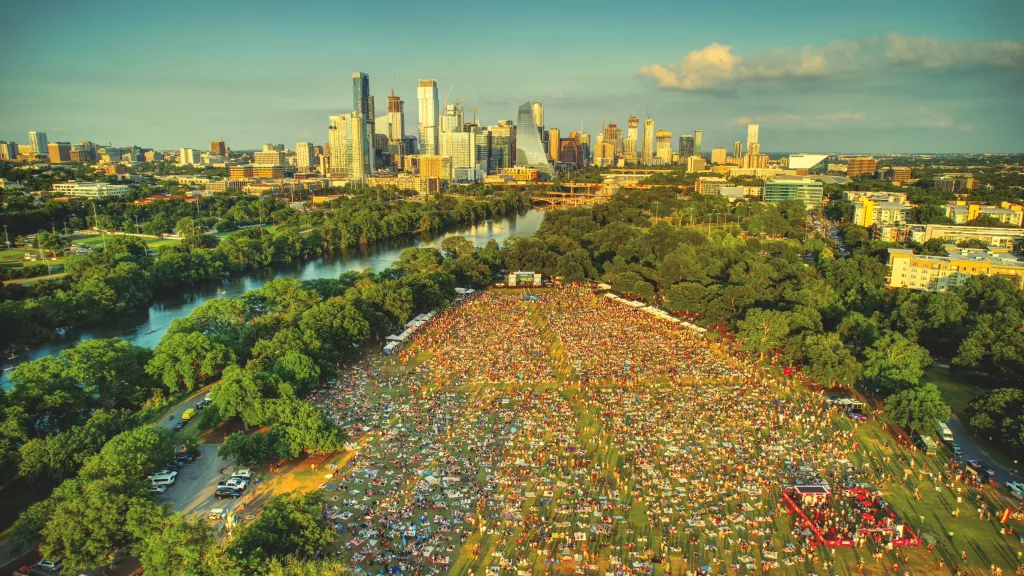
column 571, row 431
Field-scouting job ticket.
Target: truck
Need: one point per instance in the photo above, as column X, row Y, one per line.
column 945, row 433
column 926, row 444
column 188, row 414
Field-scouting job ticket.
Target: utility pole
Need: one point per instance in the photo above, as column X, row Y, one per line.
column 6, row 238
column 96, row 223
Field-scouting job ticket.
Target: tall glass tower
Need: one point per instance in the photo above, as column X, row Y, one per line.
column 362, row 104
column 529, row 148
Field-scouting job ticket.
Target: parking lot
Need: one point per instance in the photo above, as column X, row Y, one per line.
column 192, row 491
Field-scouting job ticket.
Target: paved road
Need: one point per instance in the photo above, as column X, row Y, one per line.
column 180, row 408
column 192, row 492
column 973, row 452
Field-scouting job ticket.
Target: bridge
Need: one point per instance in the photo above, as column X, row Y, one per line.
column 572, row 199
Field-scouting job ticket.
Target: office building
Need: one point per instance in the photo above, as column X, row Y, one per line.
column 955, row 182
column 718, row 156
column 709, row 184
column 867, row 212
column 59, row 152
column 752, row 134
column 648, row 144
column 686, row 146
column 698, row 141
column 864, row 166
column 695, row 164
column 898, row 175
column 433, row 166
column 396, row 118
column 961, row 212
column 186, row 157
column 426, row 98
column 538, row 117
column 219, row 148
column 808, row 191
column 90, row 189
column 362, row 104
column 571, row 151
column 529, row 148
column 8, row 151
column 737, row 149
column 554, row 144
column 269, row 158
column 663, row 146
column 940, row 273
column 148, row 156
column 305, row 158
column 503, row 146
column 348, row 147
column 38, row 142
column 629, row 144
column 808, row 163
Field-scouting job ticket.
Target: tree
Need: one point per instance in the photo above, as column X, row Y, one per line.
column 251, row 450
column 858, row 331
column 51, row 242
column 304, row 428
column 830, row 361
column 187, row 360
column 57, row 457
column 919, row 409
column 111, row 370
column 894, row 363
column 239, row 393
column 457, row 246
column 182, row 546
column 299, row 371
column 763, row 331
column 337, row 325
column 290, row 525
column 134, row 454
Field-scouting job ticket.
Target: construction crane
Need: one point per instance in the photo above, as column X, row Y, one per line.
column 473, row 110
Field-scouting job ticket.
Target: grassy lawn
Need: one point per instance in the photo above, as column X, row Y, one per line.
column 153, row 243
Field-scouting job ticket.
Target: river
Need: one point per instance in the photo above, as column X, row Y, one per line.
column 147, row 327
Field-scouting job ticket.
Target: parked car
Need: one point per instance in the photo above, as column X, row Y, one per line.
column 23, row 571
column 163, row 479
column 173, row 466
column 158, row 488
column 1016, row 489
column 857, row 416
column 183, row 457
column 957, row 450
column 236, row 483
column 51, row 565
column 977, row 466
column 179, row 426
column 243, row 473
column 225, row 492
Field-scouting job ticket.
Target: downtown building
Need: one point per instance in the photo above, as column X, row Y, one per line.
column 529, row 147
column 779, row 189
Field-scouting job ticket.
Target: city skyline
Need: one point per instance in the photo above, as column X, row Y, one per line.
column 844, row 82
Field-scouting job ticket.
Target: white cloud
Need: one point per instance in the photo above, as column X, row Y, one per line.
column 937, row 54
column 820, row 120
column 717, row 68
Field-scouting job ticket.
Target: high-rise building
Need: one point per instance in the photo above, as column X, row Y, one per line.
column 737, row 149
column 612, row 134
column 186, row 157
column 503, row 146
column 686, row 146
column 718, row 156
column 570, row 151
column 396, row 118
column 362, row 104
column 59, row 152
column 348, row 150
column 898, row 174
column 860, row 166
column 629, row 144
column 305, row 158
column 37, row 140
column 538, row 116
column 752, row 130
column 8, row 151
column 529, row 148
column 648, row 148
column 426, row 98
column 698, row 142
column 273, row 147
column 219, row 148
column 269, row 158
column 554, row 144
column 663, row 144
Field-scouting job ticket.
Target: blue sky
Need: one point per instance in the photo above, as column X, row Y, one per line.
column 940, row 76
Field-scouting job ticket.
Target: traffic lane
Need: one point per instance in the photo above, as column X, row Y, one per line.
column 175, row 416
column 973, row 452
column 192, row 492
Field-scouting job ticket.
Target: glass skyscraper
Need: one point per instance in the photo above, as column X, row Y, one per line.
column 362, row 104
column 529, row 148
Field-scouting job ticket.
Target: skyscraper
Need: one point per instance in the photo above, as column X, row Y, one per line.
column 698, row 141
column 8, row 150
column 219, row 148
column 348, row 146
column 503, row 146
column 39, row 144
column 304, row 156
column 529, row 148
column 686, row 146
column 59, row 152
column 396, row 118
column 629, row 144
column 648, row 149
column 718, row 156
column 362, row 104
column 737, row 149
column 554, row 142
column 663, row 145
column 752, row 130
column 426, row 97
column 538, row 116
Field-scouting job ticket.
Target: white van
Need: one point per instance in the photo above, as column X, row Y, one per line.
column 243, row 473
column 163, row 479
column 945, row 433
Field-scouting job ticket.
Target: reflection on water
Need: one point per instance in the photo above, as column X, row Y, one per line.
column 146, row 327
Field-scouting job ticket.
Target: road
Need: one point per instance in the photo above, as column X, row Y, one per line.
column 190, row 402
column 973, row 452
